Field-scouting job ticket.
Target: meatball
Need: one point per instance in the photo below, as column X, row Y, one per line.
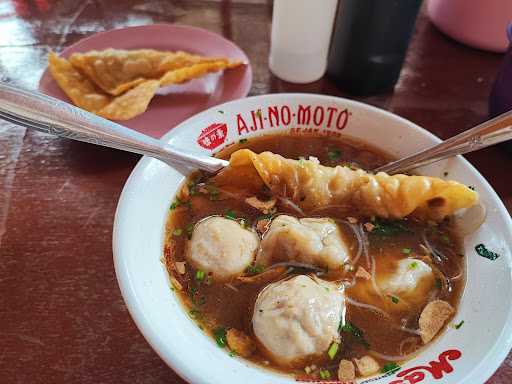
column 412, row 279
column 315, row 241
column 402, row 286
column 298, row 317
column 222, row 247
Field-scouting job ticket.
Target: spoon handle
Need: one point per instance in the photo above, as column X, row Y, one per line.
column 488, row 133
column 47, row 114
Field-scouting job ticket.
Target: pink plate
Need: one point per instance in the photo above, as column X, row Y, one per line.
column 174, row 104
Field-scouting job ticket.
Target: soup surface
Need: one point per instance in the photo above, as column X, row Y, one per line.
column 394, row 268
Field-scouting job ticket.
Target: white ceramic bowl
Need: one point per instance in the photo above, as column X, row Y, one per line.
column 467, row 355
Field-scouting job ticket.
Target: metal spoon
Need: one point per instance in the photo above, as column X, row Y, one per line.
column 47, row 114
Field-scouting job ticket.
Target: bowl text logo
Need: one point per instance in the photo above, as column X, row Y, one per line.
column 435, row 368
column 320, row 117
column 213, row 136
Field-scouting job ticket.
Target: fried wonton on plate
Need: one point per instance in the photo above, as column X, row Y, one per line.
column 86, row 95
column 117, row 70
column 119, row 84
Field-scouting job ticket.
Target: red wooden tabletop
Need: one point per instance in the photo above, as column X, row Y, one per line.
column 62, row 318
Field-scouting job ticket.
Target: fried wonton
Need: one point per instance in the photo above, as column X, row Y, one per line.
column 311, row 186
column 115, row 70
column 85, row 95
column 182, row 75
column 132, row 103
column 119, row 84
column 79, row 88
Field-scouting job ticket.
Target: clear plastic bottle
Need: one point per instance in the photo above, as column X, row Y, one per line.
column 301, row 33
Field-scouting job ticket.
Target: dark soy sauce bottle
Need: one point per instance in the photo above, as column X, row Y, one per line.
column 369, row 43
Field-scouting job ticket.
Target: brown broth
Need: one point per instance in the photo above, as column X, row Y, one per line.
column 230, row 306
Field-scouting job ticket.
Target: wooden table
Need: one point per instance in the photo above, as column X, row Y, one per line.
column 62, row 318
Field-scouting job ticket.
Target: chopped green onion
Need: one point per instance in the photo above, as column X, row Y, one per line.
column 352, row 329
column 189, row 229
column 302, row 161
column 394, row 299
column 334, row 154
column 242, row 141
column 243, row 223
column 388, row 227
column 178, row 203
column 325, row 374
column 351, row 165
column 457, row 326
column 390, row 367
column 413, row 265
column 213, row 192
column 200, row 275
column 233, row 353
column 177, row 232
column 229, row 214
column 220, row 111
column 175, row 204
column 220, row 336
column 439, row 283
column 192, row 291
column 264, row 217
column 195, row 314
column 255, row 269
column 445, row 239
column 333, row 350
column 192, row 187
column 356, row 332
column 484, row 252
column 406, row 250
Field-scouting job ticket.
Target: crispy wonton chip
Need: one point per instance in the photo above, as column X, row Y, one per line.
column 85, row 95
column 182, row 75
column 433, row 318
column 116, row 70
column 181, row 59
column 79, row 89
column 119, row 84
column 132, row 103
column 313, row 186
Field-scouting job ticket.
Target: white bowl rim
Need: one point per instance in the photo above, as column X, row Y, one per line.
column 186, row 371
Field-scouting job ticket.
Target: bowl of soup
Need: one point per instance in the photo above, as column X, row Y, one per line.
column 298, row 263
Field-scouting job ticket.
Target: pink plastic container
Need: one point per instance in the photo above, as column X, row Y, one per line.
column 478, row 23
